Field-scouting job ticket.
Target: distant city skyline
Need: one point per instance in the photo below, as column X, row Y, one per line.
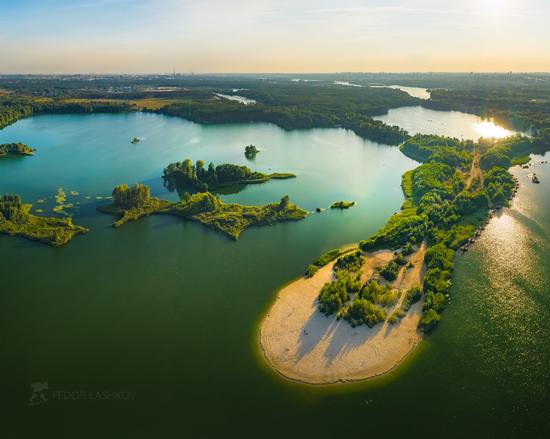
column 246, row 36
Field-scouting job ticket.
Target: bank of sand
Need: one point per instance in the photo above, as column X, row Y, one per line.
column 303, row 345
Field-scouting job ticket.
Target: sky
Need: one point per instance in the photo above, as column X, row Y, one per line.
column 238, row 36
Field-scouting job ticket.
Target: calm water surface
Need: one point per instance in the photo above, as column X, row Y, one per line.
column 237, row 98
column 417, row 92
column 444, row 123
column 169, row 309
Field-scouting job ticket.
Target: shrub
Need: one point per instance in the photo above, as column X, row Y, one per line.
column 429, row 320
column 389, row 272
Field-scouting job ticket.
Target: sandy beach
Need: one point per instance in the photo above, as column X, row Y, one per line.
column 303, row 345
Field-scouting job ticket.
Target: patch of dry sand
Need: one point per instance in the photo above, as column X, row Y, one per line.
column 303, row 345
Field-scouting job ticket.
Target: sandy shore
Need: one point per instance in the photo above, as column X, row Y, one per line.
column 303, row 345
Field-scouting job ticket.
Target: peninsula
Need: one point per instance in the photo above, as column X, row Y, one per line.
column 358, row 313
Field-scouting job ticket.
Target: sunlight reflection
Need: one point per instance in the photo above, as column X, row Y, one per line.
column 490, row 130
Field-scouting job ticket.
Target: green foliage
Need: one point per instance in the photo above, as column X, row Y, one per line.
column 407, row 249
column 499, row 185
column 322, row 260
column 230, row 219
column 440, row 212
column 430, row 148
column 494, row 158
column 311, row 270
column 389, row 272
column 16, row 149
column 350, row 263
column 332, row 296
column 505, row 152
column 131, row 197
column 250, row 151
column 342, row 205
column 327, row 257
column 468, row 202
column 16, row 220
column 400, row 259
column 381, row 295
column 429, row 320
column 435, row 301
column 400, row 229
column 439, row 256
column 436, row 177
column 362, row 311
column 412, row 296
column 181, row 175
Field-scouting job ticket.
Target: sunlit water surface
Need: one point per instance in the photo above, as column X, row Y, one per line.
column 445, row 123
column 169, row 310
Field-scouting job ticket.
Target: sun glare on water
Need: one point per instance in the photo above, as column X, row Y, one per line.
column 489, row 130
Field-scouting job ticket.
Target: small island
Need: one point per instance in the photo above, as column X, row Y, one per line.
column 135, row 140
column 15, row 220
column 15, row 149
column 184, row 175
column 132, row 203
column 342, row 205
column 250, row 151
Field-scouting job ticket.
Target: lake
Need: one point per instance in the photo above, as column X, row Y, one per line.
column 169, row 310
column 444, row 123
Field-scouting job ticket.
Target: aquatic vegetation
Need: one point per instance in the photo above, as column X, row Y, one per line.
column 132, row 203
column 16, row 220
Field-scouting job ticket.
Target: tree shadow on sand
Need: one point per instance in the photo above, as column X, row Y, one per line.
column 343, row 341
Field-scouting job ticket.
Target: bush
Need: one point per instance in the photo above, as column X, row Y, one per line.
column 429, row 320
column 467, row 202
column 412, row 296
column 350, row 263
column 311, row 270
column 389, row 272
column 332, row 296
column 439, row 256
column 362, row 311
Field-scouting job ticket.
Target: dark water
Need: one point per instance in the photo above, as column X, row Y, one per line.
column 168, row 310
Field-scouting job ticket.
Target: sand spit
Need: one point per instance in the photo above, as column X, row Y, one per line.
column 303, row 345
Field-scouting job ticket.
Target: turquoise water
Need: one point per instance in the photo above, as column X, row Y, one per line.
column 169, row 310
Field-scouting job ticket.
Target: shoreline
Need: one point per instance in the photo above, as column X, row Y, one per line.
column 302, row 345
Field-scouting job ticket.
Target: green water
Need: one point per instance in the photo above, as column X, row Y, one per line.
column 169, row 310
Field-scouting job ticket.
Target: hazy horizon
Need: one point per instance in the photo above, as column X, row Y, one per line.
column 217, row 37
